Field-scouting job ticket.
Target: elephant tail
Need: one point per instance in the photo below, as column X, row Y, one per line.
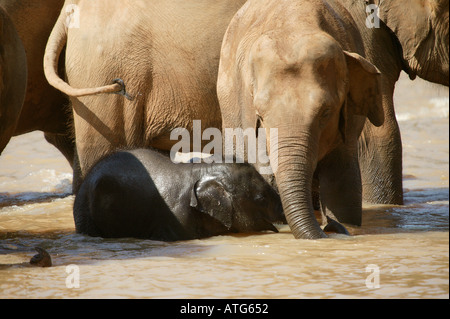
column 55, row 45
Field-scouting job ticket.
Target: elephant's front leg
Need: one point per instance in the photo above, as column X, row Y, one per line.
column 340, row 186
column 380, row 157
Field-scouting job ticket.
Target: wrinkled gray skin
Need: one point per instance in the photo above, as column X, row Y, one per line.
column 413, row 37
column 143, row 194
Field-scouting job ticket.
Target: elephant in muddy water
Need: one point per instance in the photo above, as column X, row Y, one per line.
column 143, row 194
column 298, row 66
column 44, row 108
column 13, row 78
column 161, row 55
column 412, row 36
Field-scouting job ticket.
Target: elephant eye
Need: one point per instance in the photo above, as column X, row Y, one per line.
column 259, row 198
column 325, row 115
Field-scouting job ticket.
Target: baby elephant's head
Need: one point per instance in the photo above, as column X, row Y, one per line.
column 239, row 198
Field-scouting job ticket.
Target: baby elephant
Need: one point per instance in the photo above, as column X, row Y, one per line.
column 143, row 194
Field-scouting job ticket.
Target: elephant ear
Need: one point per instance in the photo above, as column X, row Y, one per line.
column 364, row 97
column 210, row 197
column 410, row 23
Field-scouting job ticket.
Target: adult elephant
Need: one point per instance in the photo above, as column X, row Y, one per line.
column 412, row 37
column 297, row 66
column 165, row 52
column 45, row 108
column 13, row 78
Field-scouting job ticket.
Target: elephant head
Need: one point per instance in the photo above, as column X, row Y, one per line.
column 317, row 95
column 422, row 28
column 226, row 196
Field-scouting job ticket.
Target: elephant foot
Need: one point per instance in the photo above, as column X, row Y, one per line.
column 42, row 259
column 335, row 227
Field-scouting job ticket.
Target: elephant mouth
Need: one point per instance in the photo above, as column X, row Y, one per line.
column 271, row 226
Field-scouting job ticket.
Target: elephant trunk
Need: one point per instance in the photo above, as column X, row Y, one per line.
column 55, row 45
column 294, row 176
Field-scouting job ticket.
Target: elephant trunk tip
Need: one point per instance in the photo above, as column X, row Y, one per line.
column 303, row 231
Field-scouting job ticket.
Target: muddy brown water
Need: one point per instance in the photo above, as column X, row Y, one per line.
column 399, row 252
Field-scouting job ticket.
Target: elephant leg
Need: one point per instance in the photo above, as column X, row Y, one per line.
column 340, row 186
column 77, row 179
column 333, row 226
column 64, row 143
column 380, row 157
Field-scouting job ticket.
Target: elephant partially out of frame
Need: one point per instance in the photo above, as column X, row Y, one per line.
column 13, row 78
column 412, row 36
column 44, row 107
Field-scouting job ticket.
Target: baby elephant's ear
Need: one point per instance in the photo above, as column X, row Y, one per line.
column 365, row 88
column 209, row 196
